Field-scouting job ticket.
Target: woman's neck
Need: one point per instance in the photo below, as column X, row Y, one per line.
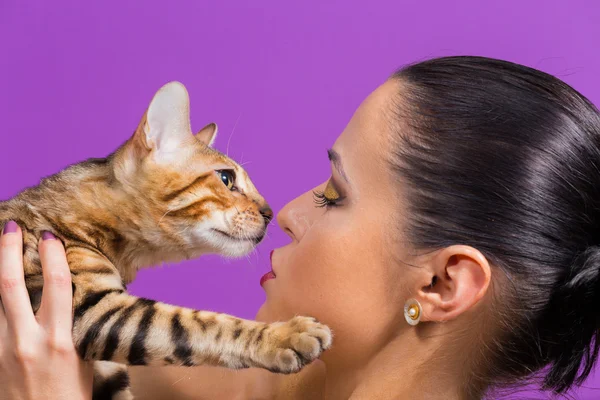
column 405, row 368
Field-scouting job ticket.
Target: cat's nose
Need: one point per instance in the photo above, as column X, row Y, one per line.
column 267, row 214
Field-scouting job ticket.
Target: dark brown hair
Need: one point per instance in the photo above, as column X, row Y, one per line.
column 506, row 158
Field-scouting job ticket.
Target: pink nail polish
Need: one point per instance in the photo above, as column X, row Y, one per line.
column 48, row 236
column 10, row 227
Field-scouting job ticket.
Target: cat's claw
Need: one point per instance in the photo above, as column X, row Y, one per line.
column 299, row 341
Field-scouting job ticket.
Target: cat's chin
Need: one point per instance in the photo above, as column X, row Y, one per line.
column 231, row 246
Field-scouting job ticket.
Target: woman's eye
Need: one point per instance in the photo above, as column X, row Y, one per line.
column 329, row 197
column 331, row 193
column 227, row 177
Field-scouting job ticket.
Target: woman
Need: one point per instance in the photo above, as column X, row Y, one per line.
column 455, row 249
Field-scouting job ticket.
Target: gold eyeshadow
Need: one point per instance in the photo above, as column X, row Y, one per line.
column 330, row 193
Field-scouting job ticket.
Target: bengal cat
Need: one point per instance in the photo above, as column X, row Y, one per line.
column 163, row 196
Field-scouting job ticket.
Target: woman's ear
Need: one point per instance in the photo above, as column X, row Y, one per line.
column 461, row 277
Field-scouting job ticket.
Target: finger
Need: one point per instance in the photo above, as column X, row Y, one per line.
column 15, row 298
column 57, row 296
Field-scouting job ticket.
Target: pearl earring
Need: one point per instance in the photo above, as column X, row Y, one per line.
column 412, row 311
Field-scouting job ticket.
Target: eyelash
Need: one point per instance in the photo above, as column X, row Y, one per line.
column 322, row 201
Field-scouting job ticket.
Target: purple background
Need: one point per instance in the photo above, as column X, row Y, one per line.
column 280, row 79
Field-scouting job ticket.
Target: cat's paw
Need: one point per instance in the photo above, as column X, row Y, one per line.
column 295, row 343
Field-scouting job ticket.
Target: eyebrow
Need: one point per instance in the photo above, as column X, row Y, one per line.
column 336, row 160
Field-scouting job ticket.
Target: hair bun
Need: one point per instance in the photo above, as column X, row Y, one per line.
column 584, row 274
column 505, row 158
column 576, row 307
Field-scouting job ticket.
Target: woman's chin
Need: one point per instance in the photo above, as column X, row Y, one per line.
column 264, row 314
column 268, row 313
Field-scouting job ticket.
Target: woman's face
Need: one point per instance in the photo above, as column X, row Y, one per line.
column 341, row 265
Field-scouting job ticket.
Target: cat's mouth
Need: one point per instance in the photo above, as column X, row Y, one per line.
column 255, row 240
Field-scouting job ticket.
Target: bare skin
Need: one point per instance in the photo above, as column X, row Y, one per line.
column 37, row 355
column 207, row 383
column 352, row 258
column 351, row 267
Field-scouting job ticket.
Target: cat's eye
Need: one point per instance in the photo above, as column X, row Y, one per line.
column 227, row 177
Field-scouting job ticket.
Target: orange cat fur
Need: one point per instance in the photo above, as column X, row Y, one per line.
column 165, row 195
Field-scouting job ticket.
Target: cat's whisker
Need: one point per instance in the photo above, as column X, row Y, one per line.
column 231, row 135
column 267, row 235
column 180, row 379
column 248, row 258
column 164, row 215
column 184, row 229
column 132, row 234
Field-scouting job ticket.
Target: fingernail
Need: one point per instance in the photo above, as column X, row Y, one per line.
column 48, row 236
column 10, row 227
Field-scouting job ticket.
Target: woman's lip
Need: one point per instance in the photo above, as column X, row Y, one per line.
column 267, row 277
column 271, row 260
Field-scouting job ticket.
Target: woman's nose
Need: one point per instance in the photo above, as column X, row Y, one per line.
column 293, row 219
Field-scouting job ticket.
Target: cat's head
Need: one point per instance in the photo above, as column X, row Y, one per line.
column 190, row 197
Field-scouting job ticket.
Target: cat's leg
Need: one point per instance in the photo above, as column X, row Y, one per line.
column 112, row 325
column 109, row 324
column 111, row 381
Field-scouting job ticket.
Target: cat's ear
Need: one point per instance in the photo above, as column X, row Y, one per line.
column 208, row 134
column 168, row 119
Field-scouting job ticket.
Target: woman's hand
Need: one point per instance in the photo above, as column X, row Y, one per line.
column 37, row 356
